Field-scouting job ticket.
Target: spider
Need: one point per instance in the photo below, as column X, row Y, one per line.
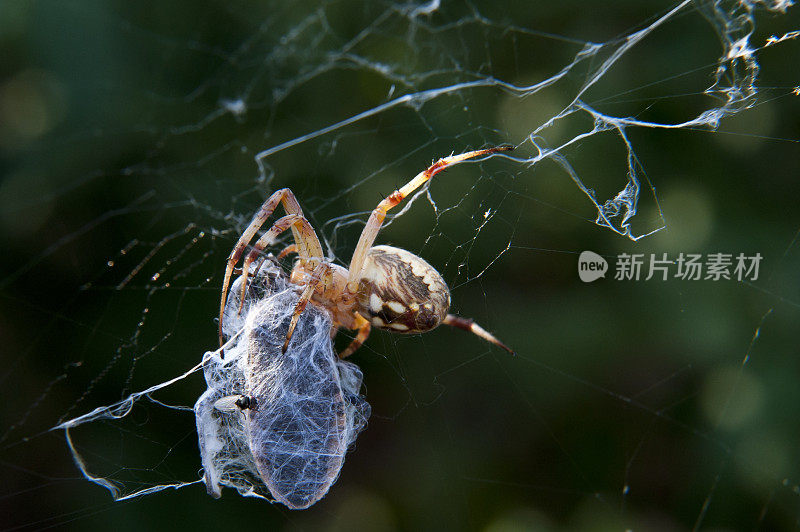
column 385, row 287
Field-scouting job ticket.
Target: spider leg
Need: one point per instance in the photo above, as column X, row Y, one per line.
column 314, row 280
column 280, row 225
column 467, row 324
column 308, row 244
column 363, row 325
column 292, row 248
column 375, row 221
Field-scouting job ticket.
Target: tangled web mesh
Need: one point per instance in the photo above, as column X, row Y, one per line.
column 306, row 408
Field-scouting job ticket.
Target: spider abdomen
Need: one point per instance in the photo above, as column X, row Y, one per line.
column 401, row 292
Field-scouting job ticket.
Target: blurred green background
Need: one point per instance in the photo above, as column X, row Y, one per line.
column 128, row 142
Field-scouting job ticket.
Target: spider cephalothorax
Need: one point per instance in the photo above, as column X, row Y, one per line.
column 385, row 287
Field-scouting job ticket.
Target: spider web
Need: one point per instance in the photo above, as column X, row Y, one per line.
column 138, row 139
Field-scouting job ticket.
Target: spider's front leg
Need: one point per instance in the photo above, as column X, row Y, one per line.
column 308, row 244
column 300, row 225
column 375, row 221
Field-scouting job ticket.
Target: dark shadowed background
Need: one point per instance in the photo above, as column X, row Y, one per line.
column 129, row 135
